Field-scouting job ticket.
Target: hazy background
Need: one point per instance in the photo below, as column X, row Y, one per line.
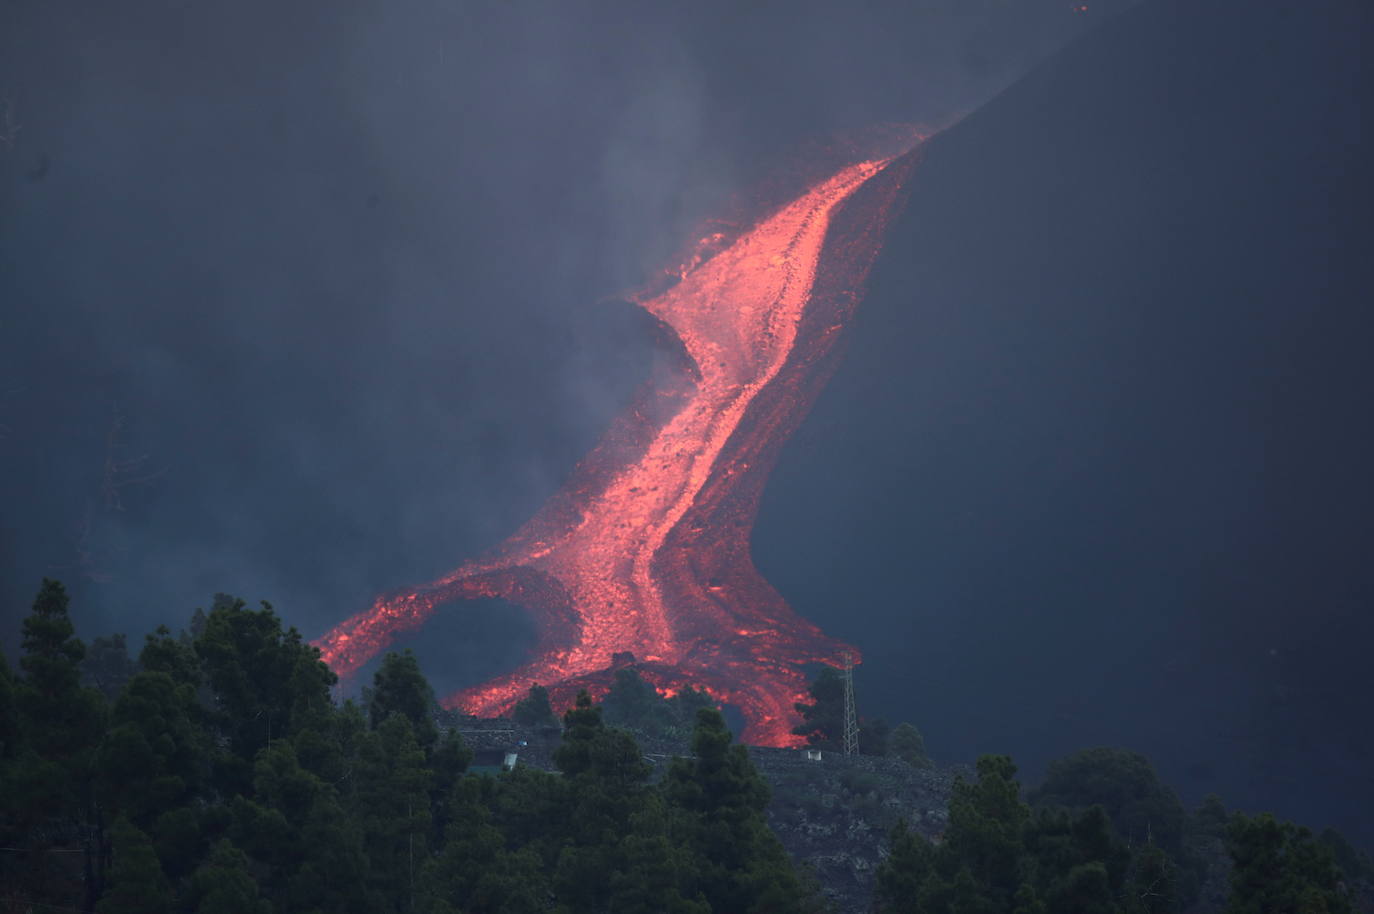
column 343, row 276
column 1100, row 454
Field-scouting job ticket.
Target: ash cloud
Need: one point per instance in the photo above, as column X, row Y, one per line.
column 350, row 270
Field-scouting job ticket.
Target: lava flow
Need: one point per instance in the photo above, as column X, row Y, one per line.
column 645, row 551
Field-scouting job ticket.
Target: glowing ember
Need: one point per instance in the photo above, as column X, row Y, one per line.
column 646, row 549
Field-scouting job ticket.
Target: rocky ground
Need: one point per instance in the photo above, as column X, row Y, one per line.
column 833, row 814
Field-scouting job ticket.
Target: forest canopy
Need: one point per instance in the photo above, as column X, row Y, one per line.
column 217, row 773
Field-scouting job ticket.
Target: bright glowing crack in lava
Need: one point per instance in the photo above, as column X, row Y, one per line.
column 645, row 550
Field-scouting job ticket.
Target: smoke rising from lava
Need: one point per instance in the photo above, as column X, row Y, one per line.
column 646, row 549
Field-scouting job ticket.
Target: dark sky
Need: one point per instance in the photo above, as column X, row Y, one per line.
column 1099, row 456
column 348, row 273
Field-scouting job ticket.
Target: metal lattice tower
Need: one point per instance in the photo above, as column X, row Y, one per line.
column 851, row 716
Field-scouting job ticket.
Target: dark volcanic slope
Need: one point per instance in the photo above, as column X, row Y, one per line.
column 1097, row 466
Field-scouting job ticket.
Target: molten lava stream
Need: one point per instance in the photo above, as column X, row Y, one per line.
column 645, row 550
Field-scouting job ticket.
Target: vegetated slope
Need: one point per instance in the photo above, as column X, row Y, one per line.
column 1097, row 459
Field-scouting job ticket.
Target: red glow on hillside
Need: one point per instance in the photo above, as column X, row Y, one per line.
column 646, row 548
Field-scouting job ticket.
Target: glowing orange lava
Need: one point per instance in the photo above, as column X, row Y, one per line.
column 646, row 548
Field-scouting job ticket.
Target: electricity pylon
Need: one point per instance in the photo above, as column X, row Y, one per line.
column 851, row 716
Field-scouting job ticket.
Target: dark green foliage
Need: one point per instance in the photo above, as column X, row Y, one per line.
column 823, row 719
column 176, row 657
column 1143, row 810
column 1076, row 862
column 607, row 781
column 182, row 835
column 998, row 857
column 10, row 732
column 155, row 754
column 1279, row 868
column 907, row 871
column 48, row 762
column 51, row 649
column 392, row 804
column 1354, row 864
column 720, row 798
column 907, row 744
column 1085, row 889
column 873, row 737
column 61, row 719
column 263, row 681
column 137, row 883
column 986, row 821
column 636, row 705
column 1211, row 817
column 597, row 838
column 297, row 829
column 224, row 885
column 632, row 702
column 9, row 715
column 688, row 701
column 237, row 784
column 447, row 763
column 476, row 872
column 1124, row 783
column 588, row 746
column 534, row 710
column 107, row 666
column 240, row 786
column 1154, row 887
column 657, row 876
column 1028, row 902
column 400, row 688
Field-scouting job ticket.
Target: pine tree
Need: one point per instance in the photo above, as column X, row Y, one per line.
column 399, row 687
column 12, row 828
column 823, row 719
column 61, row 722
column 476, row 873
column 107, row 666
column 223, row 884
column 720, row 799
column 155, row 754
column 296, row 827
column 9, row 717
column 996, row 858
column 1124, row 783
column 264, row 682
column 447, row 764
column 655, row 875
column 634, row 703
column 1085, row 889
column 1280, row 868
column 607, row 780
column 874, row 737
column 393, row 809
column 902, row 877
column 61, row 719
column 1154, row 883
column 908, row 745
column 137, row 883
column 986, row 823
column 535, row 710
column 163, row 653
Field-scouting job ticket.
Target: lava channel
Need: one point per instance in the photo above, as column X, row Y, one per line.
column 645, row 550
